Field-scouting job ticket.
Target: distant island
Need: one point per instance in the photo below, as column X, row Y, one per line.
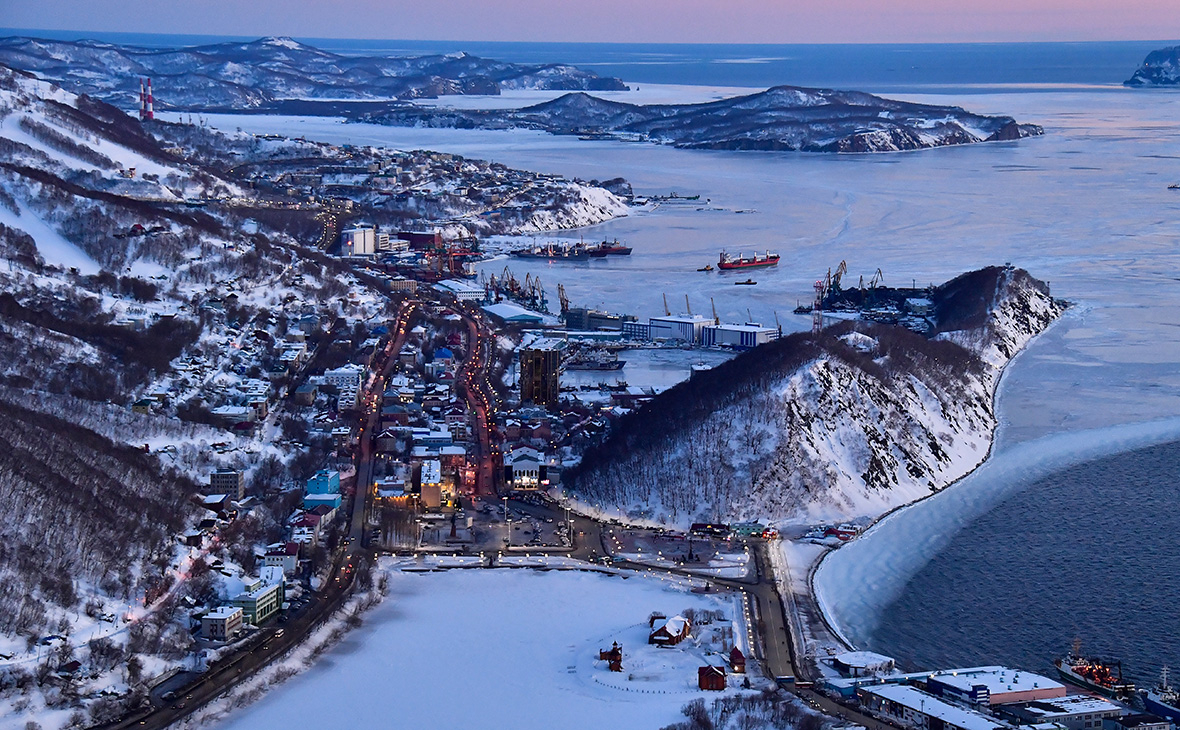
column 1160, row 68
column 780, row 118
column 260, row 75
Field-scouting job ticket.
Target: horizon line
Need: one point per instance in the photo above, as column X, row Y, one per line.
column 32, row 33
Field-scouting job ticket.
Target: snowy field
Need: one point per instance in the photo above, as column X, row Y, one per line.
column 505, row 648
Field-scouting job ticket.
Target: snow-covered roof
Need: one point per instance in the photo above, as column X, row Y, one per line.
column 999, row 680
column 223, row 612
column 1070, row 705
column 929, row 705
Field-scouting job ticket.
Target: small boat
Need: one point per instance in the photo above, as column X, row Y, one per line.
column 747, row 282
column 706, row 267
column 1174, row 186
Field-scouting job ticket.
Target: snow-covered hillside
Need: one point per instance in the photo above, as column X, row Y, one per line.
column 257, row 74
column 861, row 419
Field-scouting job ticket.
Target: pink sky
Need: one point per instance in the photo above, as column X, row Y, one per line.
column 670, row 21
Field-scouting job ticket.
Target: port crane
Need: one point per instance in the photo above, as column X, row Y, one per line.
column 832, row 281
column 716, row 319
column 563, row 299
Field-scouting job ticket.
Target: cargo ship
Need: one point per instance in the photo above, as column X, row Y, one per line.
column 553, row 253
column 1105, row 678
column 1163, row 699
column 726, row 262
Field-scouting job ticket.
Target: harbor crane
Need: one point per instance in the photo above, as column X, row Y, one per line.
column 687, row 306
column 716, row 319
column 561, row 297
column 667, row 312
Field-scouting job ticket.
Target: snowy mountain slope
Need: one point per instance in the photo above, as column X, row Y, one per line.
column 1160, row 68
column 780, row 118
column 864, row 418
column 254, row 75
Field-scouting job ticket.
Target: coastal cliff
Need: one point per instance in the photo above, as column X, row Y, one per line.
column 853, row 422
column 1160, row 68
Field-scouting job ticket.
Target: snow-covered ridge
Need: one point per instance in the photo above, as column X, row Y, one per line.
column 780, row 118
column 856, row 422
column 255, row 75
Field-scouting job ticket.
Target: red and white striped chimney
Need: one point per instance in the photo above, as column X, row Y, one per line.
column 142, row 101
column 151, row 113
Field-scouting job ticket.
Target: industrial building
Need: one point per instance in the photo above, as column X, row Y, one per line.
column 360, row 241
column 911, row 707
column 992, row 685
column 738, row 336
column 1074, row 712
column 686, row 328
column 509, row 313
column 581, row 318
column 540, row 367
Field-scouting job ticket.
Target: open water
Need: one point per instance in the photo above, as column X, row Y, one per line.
column 1088, row 553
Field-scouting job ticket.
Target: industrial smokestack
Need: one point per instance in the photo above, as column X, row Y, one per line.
column 151, row 113
column 142, row 101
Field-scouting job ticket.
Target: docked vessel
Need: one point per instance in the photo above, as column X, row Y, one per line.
column 741, row 261
column 595, row 364
column 611, row 248
column 1105, row 678
column 553, row 253
column 1163, row 699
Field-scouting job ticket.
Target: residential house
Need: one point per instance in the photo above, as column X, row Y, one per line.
column 711, row 678
column 669, row 631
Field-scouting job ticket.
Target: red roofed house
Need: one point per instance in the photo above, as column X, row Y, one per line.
column 711, row 678
column 737, row 661
column 669, row 631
